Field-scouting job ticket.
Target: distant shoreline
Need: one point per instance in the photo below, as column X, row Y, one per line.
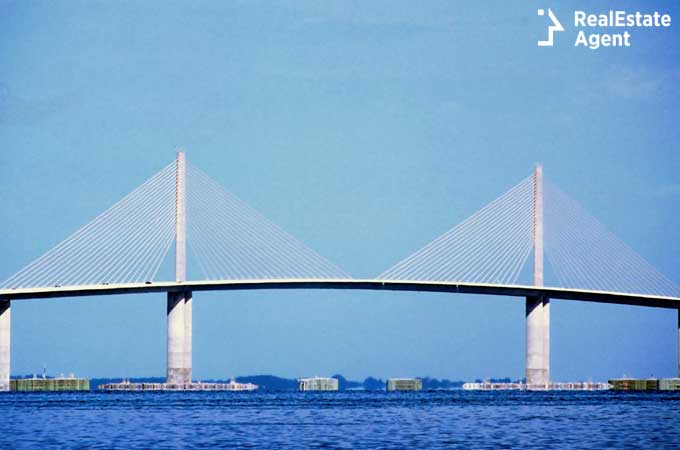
column 275, row 383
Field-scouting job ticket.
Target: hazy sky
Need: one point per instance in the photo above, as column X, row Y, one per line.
column 364, row 128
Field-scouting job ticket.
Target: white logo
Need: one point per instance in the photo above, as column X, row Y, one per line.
column 556, row 26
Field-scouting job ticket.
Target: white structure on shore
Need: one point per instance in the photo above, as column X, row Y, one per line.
column 126, row 385
column 318, row 384
column 404, row 384
column 574, row 386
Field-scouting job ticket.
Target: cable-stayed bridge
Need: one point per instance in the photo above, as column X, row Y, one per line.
column 234, row 247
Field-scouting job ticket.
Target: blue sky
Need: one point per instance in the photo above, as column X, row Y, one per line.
column 364, row 128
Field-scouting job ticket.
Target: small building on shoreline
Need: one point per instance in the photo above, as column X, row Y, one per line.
column 126, row 385
column 44, row 384
column 645, row 384
column 318, row 384
column 404, row 384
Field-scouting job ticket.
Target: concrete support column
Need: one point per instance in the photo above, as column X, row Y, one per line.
column 678, row 343
column 546, row 338
column 4, row 344
column 176, row 325
column 538, row 308
column 188, row 336
column 535, row 334
column 179, row 303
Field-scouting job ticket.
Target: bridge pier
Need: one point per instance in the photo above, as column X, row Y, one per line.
column 176, row 329
column 538, row 341
column 546, row 338
column 179, row 340
column 188, row 336
column 538, row 308
column 179, row 357
column 678, row 326
column 4, row 344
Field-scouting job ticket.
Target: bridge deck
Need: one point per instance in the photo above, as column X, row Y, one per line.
column 346, row 284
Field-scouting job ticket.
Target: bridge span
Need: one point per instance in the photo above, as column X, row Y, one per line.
column 236, row 248
column 618, row 298
column 181, row 294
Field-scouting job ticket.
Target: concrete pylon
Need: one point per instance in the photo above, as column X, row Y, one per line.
column 4, row 344
column 179, row 313
column 535, row 372
column 678, row 343
column 538, row 226
column 175, row 356
column 181, row 218
column 188, row 336
column 538, row 308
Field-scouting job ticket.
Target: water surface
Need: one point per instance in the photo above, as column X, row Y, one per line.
column 445, row 419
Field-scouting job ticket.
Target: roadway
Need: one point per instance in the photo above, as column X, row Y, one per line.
column 619, row 298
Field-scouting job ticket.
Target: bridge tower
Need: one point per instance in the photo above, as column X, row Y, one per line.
column 179, row 311
column 538, row 308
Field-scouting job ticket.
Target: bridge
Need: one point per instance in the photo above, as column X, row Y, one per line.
column 236, row 248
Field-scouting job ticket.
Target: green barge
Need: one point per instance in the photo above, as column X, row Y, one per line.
column 49, row 384
column 648, row 384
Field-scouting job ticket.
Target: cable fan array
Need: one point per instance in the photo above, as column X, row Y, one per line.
column 230, row 240
column 126, row 243
column 491, row 246
column 129, row 242
column 585, row 255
